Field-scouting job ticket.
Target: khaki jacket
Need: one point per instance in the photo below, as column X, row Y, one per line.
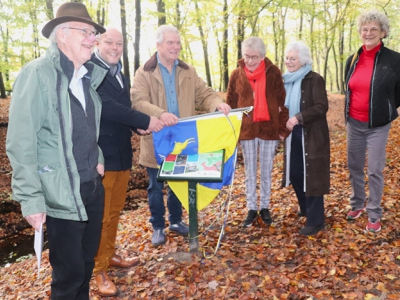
column 148, row 96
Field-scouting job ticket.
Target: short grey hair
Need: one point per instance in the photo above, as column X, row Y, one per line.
column 374, row 16
column 164, row 29
column 303, row 51
column 254, row 43
column 53, row 34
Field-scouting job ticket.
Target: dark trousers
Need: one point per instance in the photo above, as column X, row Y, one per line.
column 156, row 202
column 312, row 207
column 73, row 246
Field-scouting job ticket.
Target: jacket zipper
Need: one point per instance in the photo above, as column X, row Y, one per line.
column 62, row 129
column 372, row 89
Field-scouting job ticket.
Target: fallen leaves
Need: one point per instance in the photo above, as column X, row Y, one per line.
column 341, row 262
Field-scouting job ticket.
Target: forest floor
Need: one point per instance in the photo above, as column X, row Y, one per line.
column 341, row 262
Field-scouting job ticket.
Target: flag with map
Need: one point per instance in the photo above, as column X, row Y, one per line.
column 201, row 147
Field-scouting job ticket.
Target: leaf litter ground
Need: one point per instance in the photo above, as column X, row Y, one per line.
column 341, row 262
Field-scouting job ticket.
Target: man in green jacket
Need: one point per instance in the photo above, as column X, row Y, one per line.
column 52, row 146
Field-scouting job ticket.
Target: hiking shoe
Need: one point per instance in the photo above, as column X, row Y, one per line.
column 251, row 216
column 180, row 228
column 266, row 216
column 373, row 226
column 354, row 213
column 311, row 230
column 158, row 237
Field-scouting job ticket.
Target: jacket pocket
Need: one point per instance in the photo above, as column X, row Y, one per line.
column 54, row 188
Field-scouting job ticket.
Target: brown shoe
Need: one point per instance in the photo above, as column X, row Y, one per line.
column 105, row 286
column 117, row 261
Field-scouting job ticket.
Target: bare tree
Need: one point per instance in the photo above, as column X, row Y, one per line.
column 125, row 57
column 225, row 62
column 204, row 44
column 138, row 22
column 2, row 87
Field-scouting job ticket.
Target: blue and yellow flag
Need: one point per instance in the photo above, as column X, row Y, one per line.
column 202, row 134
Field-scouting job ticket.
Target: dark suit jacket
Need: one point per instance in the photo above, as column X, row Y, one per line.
column 117, row 121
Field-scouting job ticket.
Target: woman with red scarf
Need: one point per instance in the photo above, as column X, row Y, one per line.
column 258, row 82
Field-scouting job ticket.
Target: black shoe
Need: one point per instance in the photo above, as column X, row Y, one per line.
column 266, row 216
column 251, row 216
column 311, row 230
column 300, row 214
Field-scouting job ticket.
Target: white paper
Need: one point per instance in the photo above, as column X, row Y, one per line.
column 38, row 246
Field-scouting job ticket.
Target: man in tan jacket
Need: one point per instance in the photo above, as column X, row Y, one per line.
column 168, row 88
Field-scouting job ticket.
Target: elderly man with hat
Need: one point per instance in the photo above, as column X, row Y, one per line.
column 52, row 146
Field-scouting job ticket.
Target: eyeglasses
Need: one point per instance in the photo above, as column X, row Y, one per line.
column 253, row 58
column 291, row 59
column 372, row 30
column 86, row 32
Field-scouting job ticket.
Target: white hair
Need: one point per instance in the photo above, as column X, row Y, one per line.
column 303, row 51
column 164, row 29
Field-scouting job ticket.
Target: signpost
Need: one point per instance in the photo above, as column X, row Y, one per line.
column 203, row 167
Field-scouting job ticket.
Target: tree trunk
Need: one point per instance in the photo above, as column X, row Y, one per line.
column 49, row 9
column 240, row 33
column 162, row 19
column 138, row 22
column 2, row 87
column 225, row 62
column 125, row 57
column 204, row 44
column 100, row 13
column 178, row 24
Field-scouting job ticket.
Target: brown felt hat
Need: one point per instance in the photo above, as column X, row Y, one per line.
column 71, row 12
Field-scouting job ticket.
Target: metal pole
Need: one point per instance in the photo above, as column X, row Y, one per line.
column 193, row 224
column 244, row 109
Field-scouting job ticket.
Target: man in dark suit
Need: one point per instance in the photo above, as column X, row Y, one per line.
column 117, row 121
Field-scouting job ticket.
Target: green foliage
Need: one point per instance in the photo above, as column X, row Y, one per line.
column 328, row 27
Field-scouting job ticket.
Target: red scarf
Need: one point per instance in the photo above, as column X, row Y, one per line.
column 258, row 82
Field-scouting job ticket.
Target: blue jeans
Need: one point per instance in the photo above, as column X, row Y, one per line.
column 156, row 202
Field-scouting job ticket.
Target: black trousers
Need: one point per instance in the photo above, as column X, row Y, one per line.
column 73, row 246
column 312, row 207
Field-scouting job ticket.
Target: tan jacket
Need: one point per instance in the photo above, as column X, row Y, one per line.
column 148, row 96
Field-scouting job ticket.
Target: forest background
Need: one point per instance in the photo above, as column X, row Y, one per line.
column 211, row 32
column 341, row 262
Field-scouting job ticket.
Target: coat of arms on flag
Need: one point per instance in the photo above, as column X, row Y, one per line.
column 200, row 139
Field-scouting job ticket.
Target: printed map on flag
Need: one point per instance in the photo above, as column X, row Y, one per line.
column 202, row 134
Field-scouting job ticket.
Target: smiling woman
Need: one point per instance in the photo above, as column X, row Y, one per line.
column 258, row 82
column 371, row 72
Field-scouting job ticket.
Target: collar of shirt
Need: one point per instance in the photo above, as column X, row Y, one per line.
column 169, row 87
column 176, row 62
column 115, row 70
column 76, row 85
